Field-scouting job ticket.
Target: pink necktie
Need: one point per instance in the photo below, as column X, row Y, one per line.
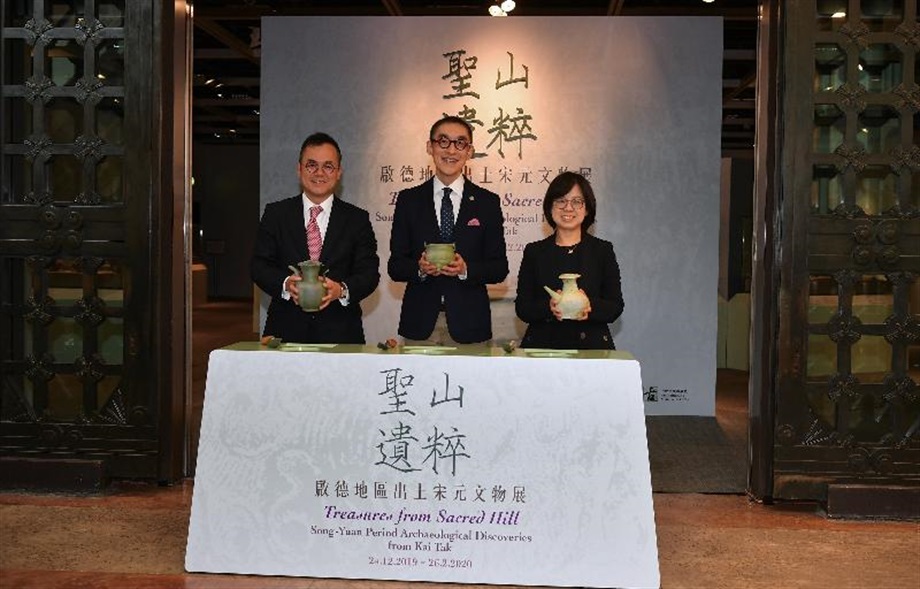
column 314, row 239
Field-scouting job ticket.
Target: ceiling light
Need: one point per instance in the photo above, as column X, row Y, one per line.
column 508, row 6
column 496, row 10
column 708, row 1
column 839, row 14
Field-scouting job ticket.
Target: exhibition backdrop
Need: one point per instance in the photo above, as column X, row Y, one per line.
column 633, row 103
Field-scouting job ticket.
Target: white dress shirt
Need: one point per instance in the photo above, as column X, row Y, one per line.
column 322, row 221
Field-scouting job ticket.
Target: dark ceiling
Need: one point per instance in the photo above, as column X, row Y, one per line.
column 226, row 63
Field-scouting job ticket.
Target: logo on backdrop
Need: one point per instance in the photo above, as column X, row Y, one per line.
column 652, row 394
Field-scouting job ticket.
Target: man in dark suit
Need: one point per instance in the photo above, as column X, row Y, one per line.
column 450, row 304
column 316, row 225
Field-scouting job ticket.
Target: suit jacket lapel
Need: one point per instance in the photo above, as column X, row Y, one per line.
column 335, row 231
column 298, row 228
column 469, row 208
column 426, row 192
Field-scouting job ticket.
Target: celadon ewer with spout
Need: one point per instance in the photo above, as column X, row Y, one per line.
column 571, row 302
column 311, row 289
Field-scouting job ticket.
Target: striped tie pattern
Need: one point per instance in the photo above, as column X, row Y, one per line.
column 447, row 217
column 314, row 238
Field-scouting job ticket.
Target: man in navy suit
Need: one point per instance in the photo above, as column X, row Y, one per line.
column 316, row 225
column 450, row 304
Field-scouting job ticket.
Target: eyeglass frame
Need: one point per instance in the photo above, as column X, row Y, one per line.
column 440, row 142
column 313, row 167
column 577, row 204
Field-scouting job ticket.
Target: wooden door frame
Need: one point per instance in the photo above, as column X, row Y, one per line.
column 150, row 229
column 172, row 246
column 767, row 253
column 784, row 221
column 168, row 326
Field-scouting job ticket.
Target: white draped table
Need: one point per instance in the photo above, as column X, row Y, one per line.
column 466, row 465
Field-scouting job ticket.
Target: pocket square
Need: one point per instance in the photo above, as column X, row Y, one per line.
column 474, row 222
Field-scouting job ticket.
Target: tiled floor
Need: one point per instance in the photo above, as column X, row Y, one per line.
column 134, row 536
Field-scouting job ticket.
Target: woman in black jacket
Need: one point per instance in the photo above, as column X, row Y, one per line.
column 570, row 209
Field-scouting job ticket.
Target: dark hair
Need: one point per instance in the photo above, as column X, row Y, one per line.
column 450, row 119
column 559, row 187
column 317, row 139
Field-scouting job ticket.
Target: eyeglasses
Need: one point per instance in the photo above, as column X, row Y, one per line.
column 562, row 203
column 444, row 143
column 313, row 167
